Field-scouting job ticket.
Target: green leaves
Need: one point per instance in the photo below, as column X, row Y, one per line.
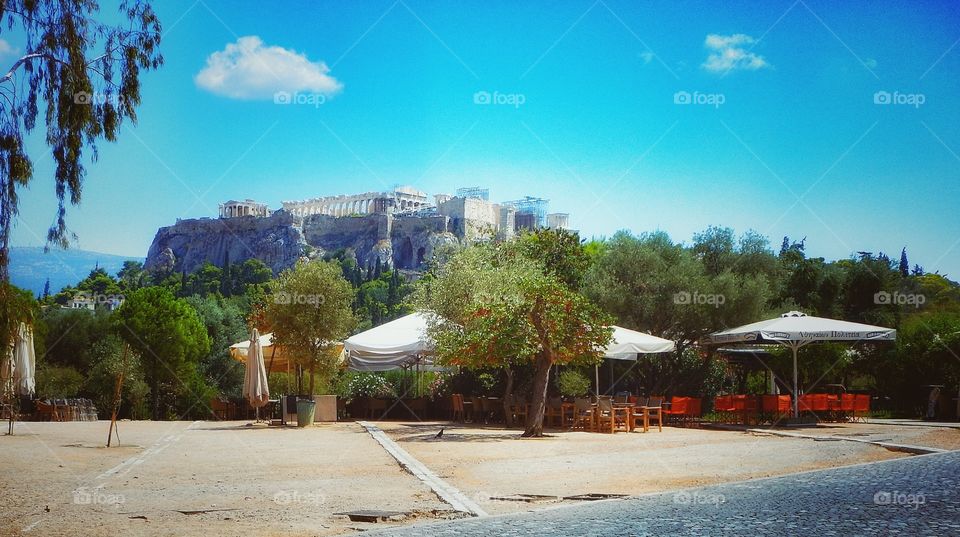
column 309, row 310
column 166, row 332
column 87, row 74
column 498, row 306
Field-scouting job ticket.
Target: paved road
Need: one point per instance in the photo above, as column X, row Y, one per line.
column 911, row 496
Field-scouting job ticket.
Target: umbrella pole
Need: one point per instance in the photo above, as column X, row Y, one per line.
column 596, row 377
column 796, row 395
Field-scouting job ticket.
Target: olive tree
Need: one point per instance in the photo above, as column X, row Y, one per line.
column 309, row 313
column 494, row 306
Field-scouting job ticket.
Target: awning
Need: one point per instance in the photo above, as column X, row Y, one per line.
column 398, row 344
column 626, row 344
column 275, row 358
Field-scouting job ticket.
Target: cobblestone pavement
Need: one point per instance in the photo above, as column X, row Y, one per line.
column 910, row 496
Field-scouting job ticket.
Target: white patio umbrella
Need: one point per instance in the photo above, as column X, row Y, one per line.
column 628, row 344
column 397, row 344
column 255, row 387
column 796, row 329
column 24, row 361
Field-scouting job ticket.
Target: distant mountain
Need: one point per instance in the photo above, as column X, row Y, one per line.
column 30, row 266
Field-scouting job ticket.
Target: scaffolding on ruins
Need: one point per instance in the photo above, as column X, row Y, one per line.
column 531, row 205
column 474, row 192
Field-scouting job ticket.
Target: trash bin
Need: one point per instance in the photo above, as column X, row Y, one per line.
column 305, row 410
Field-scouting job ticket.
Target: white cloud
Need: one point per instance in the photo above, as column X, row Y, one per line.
column 728, row 53
column 6, row 48
column 248, row 69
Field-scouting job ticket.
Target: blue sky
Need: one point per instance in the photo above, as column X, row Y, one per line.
column 783, row 134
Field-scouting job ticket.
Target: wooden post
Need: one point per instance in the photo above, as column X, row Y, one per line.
column 116, row 397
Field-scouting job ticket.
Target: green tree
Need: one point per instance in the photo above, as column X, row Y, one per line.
column 107, row 361
column 225, row 321
column 249, row 275
column 131, row 276
column 206, row 280
column 308, row 312
column 16, row 306
column 87, row 75
column 72, row 334
column 559, row 251
column 652, row 284
column 168, row 335
column 494, row 307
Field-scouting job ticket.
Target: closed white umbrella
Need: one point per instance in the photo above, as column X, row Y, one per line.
column 796, row 329
column 255, row 387
column 24, row 362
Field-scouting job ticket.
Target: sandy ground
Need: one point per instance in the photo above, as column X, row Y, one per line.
column 228, row 478
column 490, row 463
column 59, row 480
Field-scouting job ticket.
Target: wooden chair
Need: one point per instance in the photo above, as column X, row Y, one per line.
column 604, row 419
column 476, row 410
column 554, row 411
column 218, row 408
column 376, row 408
column 519, row 409
column 457, row 413
column 584, row 414
column 47, row 411
column 651, row 410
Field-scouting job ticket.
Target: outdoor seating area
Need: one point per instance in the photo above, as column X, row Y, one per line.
column 602, row 414
column 60, row 410
column 771, row 409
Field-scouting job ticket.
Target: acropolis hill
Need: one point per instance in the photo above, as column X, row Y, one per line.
column 400, row 227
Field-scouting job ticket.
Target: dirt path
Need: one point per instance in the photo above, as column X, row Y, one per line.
column 230, row 478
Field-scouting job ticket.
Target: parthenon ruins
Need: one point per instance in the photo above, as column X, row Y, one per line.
column 401, row 200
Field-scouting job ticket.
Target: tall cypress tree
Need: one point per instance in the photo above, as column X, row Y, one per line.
column 226, row 279
column 184, row 285
column 904, row 264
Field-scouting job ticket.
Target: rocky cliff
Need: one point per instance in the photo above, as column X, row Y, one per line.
column 405, row 242
column 186, row 245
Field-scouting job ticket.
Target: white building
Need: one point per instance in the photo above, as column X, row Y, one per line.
column 558, row 221
column 247, row 207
